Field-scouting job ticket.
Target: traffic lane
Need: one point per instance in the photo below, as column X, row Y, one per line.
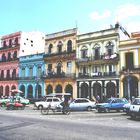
column 64, row 129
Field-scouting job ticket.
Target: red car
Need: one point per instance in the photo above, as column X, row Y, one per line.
column 14, row 106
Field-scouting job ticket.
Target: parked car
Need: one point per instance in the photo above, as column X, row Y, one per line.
column 20, row 99
column 82, row 104
column 14, row 106
column 111, row 104
column 53, row 101
column 126, row 108
column 135, row 108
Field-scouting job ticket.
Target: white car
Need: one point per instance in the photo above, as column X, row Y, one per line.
column 82, row 104
column 135, row 108
column 53, row 101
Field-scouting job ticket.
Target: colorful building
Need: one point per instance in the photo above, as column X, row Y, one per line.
column 9, row 60
column 97, row 63
column 129, row 51
column 60, row 52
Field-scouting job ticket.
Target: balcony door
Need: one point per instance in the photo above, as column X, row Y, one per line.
column 129, row 61
column 59, row 68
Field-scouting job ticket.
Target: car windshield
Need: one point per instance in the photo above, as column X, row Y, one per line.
column 136, row 102
column 108, row 100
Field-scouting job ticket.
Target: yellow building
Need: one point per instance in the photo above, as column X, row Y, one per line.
column 60, row 68
column 129, row 64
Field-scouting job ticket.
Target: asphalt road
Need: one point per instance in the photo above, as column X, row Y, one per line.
column 29, row 124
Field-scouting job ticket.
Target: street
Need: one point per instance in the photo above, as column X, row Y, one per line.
column 29, row 124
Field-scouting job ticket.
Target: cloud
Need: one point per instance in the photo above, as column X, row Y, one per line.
column 96, row 16
column 126, row 11
column 133, row 26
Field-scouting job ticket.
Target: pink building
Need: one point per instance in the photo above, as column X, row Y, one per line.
column 9, row 59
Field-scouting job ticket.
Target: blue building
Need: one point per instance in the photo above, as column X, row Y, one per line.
column 30, row 72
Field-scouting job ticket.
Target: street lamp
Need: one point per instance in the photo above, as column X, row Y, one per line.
column 128, row 81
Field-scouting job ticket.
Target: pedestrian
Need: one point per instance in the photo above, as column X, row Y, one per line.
column 98, row 98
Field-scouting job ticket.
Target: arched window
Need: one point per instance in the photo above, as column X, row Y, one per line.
column 16, row 41
column 22, row 88
column 4, row 44
column 109, row 47
column 8, row 74
column 69, row 89
column 10, row 43
column 49, row 89
column 15, row 55
column 84, row 53
column 59, row 47
column 58, row 89
column 14, row 73
column 50, row 48
column 3, row 58
column 9, row 56
column 69, row 46
column 96, row 51
column 2, row 74
column 59, row 68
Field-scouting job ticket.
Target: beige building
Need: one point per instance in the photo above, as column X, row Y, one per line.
column 60, row 68
column 129, row 51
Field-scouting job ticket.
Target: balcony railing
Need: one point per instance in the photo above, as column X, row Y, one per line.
column 27, row 78
column 61, row 75
column 57, row 54
column 9, row 60
column 98, row 58
column 97, row 74
column 8, row 78
column 134, row 68
column 9, row 46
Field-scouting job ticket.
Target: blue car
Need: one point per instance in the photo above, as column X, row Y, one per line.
column 111, row 104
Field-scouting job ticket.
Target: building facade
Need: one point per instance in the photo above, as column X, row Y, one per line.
column 129, row 51
column 30, row 79
column 9, row 60
column 97, row 64
column 60, row 68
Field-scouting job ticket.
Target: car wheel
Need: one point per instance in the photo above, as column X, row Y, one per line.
column 133, row 116
column 107, row 110
column 40, row 107
column 89, row 108
column 99, row 110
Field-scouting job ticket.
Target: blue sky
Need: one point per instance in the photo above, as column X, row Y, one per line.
column 51, row 16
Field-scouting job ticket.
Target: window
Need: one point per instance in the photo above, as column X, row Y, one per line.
column 129, row 60
column 30, row 72
column 39, row 72
column 49, row 100
column 84, row 101
column 10, row 43
column 69, row 46
column 16, row 41
column 59, row 47
column 69, row 67
column 23, row 72
column 109, row 48
column 49, row 67
column 50, row 48
column 55, row 100
column 84, row 52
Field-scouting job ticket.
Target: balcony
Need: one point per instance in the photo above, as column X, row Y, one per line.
column 133, row 69
column 27, row 78
column 10, row 46
column 100, row 59
column 97, row 75
column 60, row 55
column 8, row 78
column 9, row 60
column 59, row 76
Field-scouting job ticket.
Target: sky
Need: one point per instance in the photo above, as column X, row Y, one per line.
column 50, row 16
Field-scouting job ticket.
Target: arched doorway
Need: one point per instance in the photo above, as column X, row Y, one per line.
column 30, row 91
column 1, row 91
column 49, row 89
column 38, row 91
column 58, row 89
column 84, row 90
column 69, row 89
column 97, row 89
column 110, row 90
column 22, row 88
column 133, row 87
column 7, row 91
